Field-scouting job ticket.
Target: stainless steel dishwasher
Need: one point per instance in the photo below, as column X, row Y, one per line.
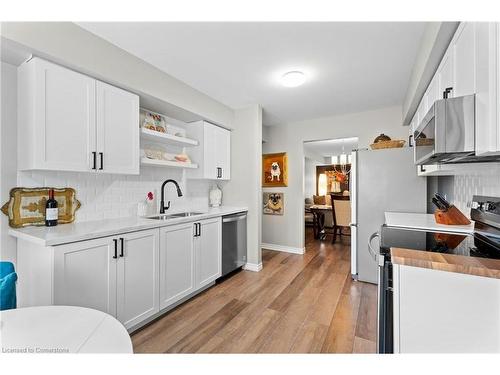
column 234, row 242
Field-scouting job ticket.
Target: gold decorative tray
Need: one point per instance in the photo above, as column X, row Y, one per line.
column 26, row 206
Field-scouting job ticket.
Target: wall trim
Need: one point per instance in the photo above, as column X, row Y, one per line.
column 254, row 267
column 284, row 249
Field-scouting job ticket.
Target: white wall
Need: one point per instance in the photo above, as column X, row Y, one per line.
column 288, row 230
column 8, row 153
column 245, row 187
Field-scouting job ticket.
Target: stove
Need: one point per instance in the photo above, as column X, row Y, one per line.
column 484, row 243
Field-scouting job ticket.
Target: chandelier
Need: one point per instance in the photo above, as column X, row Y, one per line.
column 342, row 160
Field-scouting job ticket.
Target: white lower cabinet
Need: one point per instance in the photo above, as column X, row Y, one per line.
column 176, row 263
column 208, row 251
column 117, row 275
column 445, row 312
column 131, row 276
column 137, row 277
column 85, row 275
column 190, row 258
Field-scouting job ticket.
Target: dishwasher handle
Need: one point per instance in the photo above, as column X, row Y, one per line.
column 231, row 218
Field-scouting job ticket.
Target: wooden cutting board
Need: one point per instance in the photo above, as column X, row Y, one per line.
column 26, row 206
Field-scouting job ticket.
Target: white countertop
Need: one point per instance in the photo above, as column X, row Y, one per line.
column 66, row 233
column 424, row 222
column 62, row 329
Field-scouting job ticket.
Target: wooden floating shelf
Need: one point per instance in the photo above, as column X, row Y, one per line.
column 167, row 163
column 169, row 139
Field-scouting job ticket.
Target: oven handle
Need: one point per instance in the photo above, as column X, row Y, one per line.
column 370, row 248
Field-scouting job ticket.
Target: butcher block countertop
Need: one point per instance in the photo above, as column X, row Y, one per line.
column 447, row 262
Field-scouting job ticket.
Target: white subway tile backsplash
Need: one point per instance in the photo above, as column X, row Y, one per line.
column 106, row 196
column 479, row 183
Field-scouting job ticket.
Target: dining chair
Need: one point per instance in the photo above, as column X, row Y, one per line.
column 341, row 212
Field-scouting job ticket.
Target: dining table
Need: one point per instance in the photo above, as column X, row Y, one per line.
column 318, row 211
column 61, row 329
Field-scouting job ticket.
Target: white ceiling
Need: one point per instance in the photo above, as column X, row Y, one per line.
column 351, row 66
column 331, row 147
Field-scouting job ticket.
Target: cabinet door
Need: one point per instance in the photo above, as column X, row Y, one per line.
column 137, row 277
column 208, row 252
column 445, row 312
column 433, row 93
column 223, row 142
column 64, row 115
column 210, row 156
column 117, row 130
column 487, row 88
column 85, row 275
column 177, row 278
column 445, row 74
column 464, row 57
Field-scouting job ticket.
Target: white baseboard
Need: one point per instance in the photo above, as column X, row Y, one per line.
column 254, row 267
column 285, row 249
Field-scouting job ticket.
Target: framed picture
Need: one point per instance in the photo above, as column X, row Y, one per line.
column 274, row 170
column 273, row 203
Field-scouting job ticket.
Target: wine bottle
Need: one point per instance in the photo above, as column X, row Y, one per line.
column 51, row 210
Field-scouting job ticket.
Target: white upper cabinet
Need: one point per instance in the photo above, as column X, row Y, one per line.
column 117, row 130
column 56, row 118
column 213, row 155
column 471, row 65
column 432, row 93
column 487, row 88
column 445, row 75
column 464, row 58
column 68, row 121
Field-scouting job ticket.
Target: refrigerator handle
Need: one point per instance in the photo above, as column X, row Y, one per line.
column 370, row 248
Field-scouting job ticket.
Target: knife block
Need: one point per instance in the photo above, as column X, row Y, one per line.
column 451, row 216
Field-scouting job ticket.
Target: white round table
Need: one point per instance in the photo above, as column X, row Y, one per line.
column 61, row 329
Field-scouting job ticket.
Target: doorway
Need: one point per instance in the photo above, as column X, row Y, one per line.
column 327, row 186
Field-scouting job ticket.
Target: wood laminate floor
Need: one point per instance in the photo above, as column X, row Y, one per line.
column 296, row 304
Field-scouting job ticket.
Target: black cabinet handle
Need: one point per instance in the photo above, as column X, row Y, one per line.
column 116, row 248
column 121, row 249
column 409, row 140
column 197, row 229
column 94, row 156
column 422, row 169
column 446, row 92
column 102, row 160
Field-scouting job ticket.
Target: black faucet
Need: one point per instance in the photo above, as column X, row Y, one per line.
column 163, row 208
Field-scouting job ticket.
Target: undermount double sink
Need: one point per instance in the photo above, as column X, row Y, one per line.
column 174, row 216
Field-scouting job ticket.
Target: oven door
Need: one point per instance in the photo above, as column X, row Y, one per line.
column 385, row 339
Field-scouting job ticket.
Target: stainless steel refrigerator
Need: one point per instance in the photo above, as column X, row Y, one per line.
column 381, row 180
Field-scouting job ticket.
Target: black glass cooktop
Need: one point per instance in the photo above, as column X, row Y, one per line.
column 476, row 245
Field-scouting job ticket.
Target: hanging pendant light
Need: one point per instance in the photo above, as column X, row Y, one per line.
column 343, row 159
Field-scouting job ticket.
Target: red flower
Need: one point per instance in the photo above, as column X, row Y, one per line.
column 150, row 196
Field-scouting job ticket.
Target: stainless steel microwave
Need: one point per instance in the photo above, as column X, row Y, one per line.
column 446, row 133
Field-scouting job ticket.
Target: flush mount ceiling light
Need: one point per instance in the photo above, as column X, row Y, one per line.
column 293, row 79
